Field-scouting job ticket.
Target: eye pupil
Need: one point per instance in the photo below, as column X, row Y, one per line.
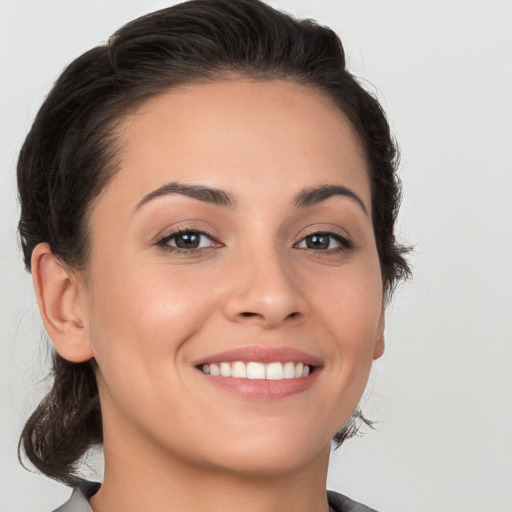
column 318, row 241
column 188, row 240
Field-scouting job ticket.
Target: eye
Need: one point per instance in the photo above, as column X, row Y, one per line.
column 184, row 240
column 325, row 242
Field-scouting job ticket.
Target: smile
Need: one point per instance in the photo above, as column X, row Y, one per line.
column 260, row 373
column 257, row 370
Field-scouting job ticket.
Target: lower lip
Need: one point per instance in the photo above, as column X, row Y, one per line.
column 260, row 388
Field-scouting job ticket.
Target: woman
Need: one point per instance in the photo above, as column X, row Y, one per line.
column 208, row 204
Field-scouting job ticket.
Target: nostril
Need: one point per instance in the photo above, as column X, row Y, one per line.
column 249, row 314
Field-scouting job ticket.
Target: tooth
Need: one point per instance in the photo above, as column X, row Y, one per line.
column 239, row 370
column 258, row 371
column 225, row 369
column 274, row 371
column 289, row 370
column 255, row 371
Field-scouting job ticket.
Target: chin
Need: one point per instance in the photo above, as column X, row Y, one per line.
column 267, row 453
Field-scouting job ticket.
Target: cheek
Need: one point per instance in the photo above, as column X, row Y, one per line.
column 348, row 307
column 136, row 308
column 351, row 301
column 141, row 319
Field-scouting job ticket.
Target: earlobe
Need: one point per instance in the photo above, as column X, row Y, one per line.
column 57, row 296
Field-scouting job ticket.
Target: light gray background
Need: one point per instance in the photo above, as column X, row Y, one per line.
column 442, row 393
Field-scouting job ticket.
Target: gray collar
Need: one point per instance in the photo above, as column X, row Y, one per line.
column 79, row 501
column 82, row 491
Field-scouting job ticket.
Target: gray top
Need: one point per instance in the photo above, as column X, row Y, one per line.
column 84, row 490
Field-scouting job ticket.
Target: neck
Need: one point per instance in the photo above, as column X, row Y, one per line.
column 138, row 477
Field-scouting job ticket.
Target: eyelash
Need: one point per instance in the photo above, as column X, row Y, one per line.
column 345, row 244
column 164, row 241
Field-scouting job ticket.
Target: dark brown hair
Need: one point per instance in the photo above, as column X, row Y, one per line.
column 69, row 155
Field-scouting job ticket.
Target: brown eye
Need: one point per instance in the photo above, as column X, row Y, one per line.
column 187, row 240
column 318, row 241
column 324, row 242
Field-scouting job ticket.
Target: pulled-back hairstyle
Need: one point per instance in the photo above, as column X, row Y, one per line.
column 70, row 155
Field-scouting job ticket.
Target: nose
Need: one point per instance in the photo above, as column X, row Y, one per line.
column 265, row 291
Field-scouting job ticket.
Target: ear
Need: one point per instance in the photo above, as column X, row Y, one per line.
column 378, row 349
column 57, row 291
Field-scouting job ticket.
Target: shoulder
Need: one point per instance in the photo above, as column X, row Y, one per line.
column 340, row 503
column 78, row 502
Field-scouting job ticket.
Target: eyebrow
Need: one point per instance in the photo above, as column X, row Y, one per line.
column 311, row 196
column 199, row 192
column 305, row 198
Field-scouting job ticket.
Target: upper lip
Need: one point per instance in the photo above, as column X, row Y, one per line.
column 262, row 355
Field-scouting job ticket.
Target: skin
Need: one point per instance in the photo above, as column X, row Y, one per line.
column 146, row 314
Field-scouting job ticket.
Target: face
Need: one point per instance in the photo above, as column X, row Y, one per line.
column 237, row 239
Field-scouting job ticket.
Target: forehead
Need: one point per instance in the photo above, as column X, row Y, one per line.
column 253, row 137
